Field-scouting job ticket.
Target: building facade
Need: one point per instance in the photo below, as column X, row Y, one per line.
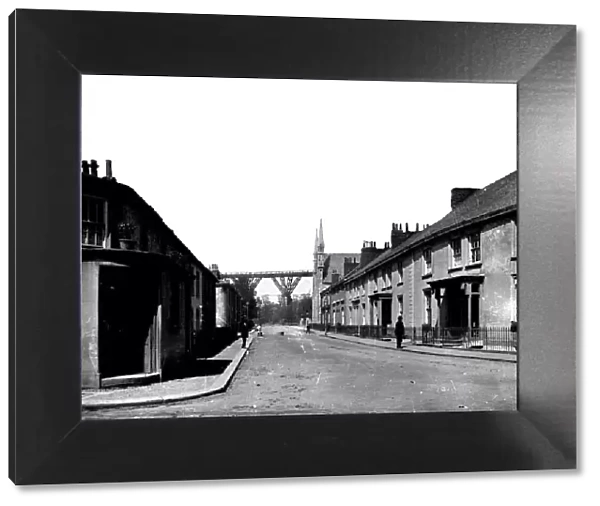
column 447, row 279
column 147, row 302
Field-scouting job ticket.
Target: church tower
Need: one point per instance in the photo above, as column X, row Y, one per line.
column 318, row 266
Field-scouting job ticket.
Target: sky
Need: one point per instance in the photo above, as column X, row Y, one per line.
column 243, row 169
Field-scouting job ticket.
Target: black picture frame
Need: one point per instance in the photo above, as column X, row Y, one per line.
column 50, row 50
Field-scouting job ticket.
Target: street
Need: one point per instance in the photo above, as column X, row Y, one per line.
column 296, row 373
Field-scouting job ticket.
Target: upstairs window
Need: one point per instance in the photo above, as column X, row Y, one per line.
column 475, row 248
column 427, row 260
column 456, row 250
column 93, row 221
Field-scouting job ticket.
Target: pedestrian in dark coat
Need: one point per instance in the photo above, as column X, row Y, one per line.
column 244, row 330
column 399, row 332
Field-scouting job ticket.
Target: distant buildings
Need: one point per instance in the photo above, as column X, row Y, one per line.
column 148, row 304
column 452, row 277
column 328, row 268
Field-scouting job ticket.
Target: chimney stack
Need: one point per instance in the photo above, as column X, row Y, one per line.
column 109, row 169
column 398, row 235
column 94, row 168
column 85, row 166
column 417, row 228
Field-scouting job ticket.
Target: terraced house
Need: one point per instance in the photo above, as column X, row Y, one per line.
column 148, row 304
column 454, row 282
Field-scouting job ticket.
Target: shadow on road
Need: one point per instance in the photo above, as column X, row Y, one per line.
column 206, row 367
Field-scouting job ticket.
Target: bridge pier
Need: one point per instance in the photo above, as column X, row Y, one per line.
column 286, row 286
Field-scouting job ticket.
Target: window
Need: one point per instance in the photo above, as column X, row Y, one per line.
column 400, row 305
column 456, row 249
column 427, row 260
column 197, row 318
column 427, row 294
column 475, row 247
column 399, row 268
column 93, row 221
column 198, row 284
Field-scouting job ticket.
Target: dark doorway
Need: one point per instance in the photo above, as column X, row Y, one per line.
column 386, row 312
column 456, row 306
column 128, row 305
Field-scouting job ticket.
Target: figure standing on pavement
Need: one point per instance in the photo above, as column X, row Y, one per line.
column 326, row 327
column 308, row 325
column 244, row 330
column 399, row 332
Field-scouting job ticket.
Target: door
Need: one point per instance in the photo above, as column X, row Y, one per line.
column 128, row 308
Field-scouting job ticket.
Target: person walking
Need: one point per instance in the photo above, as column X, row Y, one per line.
column 308, row 325
column 244, row 331
column 399, row 332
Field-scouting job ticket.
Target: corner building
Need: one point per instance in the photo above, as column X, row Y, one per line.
column 148, row 304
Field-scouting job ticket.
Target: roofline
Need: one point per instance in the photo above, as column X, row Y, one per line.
column 436, row 235
column 149, row 208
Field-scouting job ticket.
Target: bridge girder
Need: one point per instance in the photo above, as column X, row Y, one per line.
column 267, row 274
column 285, row 281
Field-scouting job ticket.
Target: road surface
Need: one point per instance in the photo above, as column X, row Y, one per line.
column 296, row 373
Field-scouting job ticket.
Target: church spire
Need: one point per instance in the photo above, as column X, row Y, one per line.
column 321, row 242
column 316, row 240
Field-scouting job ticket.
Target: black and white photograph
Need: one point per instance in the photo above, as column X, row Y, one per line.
column 293, row 248
column 261, row 247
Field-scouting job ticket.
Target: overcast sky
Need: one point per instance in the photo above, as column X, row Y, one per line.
column 243, row 169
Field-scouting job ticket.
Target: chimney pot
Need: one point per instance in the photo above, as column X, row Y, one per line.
column 417, row 228
column 86, row 167
column 407, row 227
column 109, row 169
column 94, row 167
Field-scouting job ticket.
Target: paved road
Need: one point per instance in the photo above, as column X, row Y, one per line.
column 309, row 374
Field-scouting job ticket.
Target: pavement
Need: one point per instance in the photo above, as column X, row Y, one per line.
column 175, row 390
column 425, row 350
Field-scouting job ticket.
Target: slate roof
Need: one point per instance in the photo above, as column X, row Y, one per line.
column 495, row 199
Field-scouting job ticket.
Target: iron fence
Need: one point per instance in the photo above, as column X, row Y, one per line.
column 503, row 339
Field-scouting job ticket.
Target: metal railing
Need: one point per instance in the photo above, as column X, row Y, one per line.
column 502, row 339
